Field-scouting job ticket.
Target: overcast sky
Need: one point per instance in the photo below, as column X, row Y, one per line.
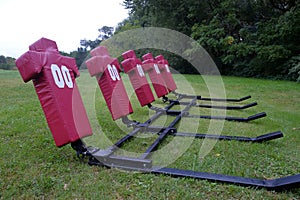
column 64, row 21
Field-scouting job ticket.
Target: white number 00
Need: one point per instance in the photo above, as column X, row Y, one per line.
column 113, row 72
column 61, row 76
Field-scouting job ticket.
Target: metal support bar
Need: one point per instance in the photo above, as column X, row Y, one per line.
column 261, row 138
column 186, row 96
column 210, row 99
column 145, row 166
column 168, row 130
column 228, row 118
column 228, row 107
column 284, row 183
column 156, row 143
column 230, row 100
column 218, row 107
column 124, row 139
column 106, row 158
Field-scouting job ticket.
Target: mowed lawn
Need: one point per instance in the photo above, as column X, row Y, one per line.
column 32, row 167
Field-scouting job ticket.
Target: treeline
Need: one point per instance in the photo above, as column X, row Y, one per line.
column 7, row 63
column 252, row 38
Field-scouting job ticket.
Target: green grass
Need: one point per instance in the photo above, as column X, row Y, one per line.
column 31, row 166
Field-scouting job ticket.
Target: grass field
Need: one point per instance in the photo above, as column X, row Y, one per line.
column 32, row 167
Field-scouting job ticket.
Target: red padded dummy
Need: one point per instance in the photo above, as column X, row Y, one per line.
column 166, row 73
column 151, row 66
column 133, row 67
column 53, row 76
column 106, row 70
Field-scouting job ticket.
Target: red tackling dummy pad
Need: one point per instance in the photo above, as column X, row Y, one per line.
column 133, row 67
column 107, row 71
column 166, row 73
column 53, row 76
column 154, row 71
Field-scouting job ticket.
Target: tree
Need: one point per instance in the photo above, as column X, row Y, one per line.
column 2, row 59
column 90, row 44
column 105, row 33
column 7, row 63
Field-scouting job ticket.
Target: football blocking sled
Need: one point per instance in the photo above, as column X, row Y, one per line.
column 143, row 163
column 53, row 76
column 54, row 80
column 151, row 66
column 102, row 61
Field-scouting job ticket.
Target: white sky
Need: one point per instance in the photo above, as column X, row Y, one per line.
column 64, row 21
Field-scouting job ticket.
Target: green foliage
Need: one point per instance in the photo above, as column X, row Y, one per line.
column 261, row 48
column 127, row 24
column 250, row 38
column 105, row 32
column 7, row 63
column 294, row 67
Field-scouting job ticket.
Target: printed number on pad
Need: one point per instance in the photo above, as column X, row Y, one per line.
column 61, row 76
column 113, row 72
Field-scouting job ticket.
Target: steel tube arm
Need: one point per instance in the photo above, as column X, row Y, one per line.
column 229, row 118
column 284, row 183
column 261, row 138
column 231, row 100
column 228, row 107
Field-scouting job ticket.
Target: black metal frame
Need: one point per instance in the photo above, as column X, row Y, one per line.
column 143, row 163
column 186, row 96
column 188, row 115
column 243, row 107
column 211, row 99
